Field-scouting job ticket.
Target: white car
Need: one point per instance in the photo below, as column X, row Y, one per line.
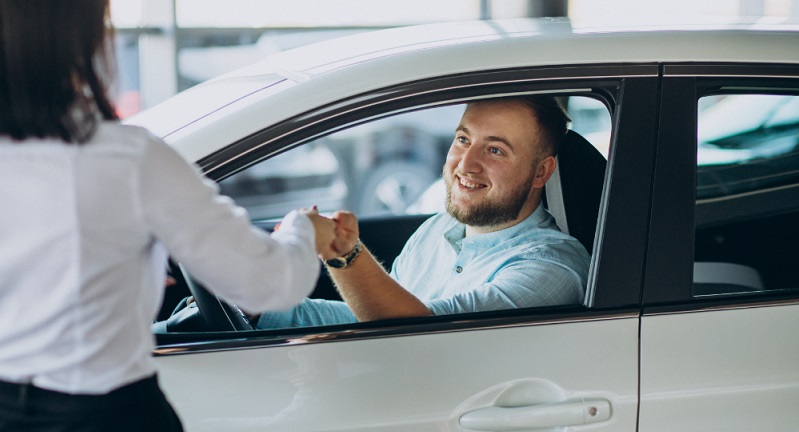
column 691, row 314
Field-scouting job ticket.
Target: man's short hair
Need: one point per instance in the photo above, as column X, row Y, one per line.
column 553, row 120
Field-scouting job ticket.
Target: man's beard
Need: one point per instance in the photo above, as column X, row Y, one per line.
column 493, row 212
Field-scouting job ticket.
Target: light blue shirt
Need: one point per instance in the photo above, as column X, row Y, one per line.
column 529, row 264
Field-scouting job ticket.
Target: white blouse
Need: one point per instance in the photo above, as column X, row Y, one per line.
column 82, row 262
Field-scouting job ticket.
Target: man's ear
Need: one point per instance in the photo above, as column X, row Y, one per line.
column 544, row 171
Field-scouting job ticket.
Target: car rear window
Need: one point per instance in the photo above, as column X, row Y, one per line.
column 746, row 143
column 747, row 166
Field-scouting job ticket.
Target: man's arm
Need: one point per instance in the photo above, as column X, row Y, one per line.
column 364, row 284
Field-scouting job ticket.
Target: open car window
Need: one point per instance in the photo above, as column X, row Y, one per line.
column 377, row 168
column 390, row 166
column 388, row 172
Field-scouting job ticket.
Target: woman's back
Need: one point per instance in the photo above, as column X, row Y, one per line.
column 75, row 257
column 82, row 220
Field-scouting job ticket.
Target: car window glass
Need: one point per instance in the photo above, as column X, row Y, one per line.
column 747, row 159
column 391, row 166
column 746, row 143
column 786, row 114
column 591, row 119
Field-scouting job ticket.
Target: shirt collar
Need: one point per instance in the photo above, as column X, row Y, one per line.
column 456, row 236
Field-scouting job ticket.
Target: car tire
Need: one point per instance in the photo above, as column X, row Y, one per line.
column 394, row 186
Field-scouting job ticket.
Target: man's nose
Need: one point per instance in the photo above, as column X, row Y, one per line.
column 470, row 160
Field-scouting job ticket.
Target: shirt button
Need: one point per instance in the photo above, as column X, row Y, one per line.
column 458, row 269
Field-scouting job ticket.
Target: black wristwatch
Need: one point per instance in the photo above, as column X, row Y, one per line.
column 344, row 261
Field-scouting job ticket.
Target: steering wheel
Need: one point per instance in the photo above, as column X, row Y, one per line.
column 213, row 312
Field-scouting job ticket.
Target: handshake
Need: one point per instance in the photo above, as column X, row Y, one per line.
column 336, row 235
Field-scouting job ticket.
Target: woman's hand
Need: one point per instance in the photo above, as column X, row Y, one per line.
column 325, row 234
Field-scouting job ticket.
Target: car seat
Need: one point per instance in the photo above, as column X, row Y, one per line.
column 573, row 193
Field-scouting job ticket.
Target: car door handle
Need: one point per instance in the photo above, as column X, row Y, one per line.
column 560, row 414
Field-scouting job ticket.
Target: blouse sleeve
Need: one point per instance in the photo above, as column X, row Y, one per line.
column 215, row 241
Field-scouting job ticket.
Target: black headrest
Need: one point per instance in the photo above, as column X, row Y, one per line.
column 582, row 174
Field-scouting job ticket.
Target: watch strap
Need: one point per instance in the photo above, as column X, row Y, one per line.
column 346, row 260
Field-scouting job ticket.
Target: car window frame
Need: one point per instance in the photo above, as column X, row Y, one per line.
column 629, row 92
column 675, row 212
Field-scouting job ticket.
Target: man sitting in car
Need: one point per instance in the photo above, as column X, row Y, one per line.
column 495, row 247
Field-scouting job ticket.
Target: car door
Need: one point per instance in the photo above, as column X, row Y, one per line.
column 542, row 368
column 719, row 349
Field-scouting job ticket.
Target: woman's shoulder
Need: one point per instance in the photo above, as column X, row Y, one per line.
column 115, row 132
column 116, row 137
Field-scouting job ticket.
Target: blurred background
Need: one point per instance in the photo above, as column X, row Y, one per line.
column 167, row 46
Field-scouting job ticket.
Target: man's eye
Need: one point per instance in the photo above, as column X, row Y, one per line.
column 462, row 139
column 495, row 150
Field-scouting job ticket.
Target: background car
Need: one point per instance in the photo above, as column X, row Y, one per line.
column 692, row 304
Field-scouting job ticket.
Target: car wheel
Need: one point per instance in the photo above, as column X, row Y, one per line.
column 394, row 186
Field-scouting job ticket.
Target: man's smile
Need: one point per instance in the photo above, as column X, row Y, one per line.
column 468, row 183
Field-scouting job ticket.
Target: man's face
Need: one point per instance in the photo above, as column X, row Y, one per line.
column 491, row 166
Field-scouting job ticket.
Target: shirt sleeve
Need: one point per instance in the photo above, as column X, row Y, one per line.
column 524, row 283
column 309, row 313
column 215, row 240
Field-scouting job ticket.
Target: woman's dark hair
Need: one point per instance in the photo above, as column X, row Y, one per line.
column 56, row 61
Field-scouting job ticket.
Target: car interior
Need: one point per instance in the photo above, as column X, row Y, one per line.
column 746, row 256
column 572, row 195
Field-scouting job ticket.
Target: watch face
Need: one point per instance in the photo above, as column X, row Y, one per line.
column 337, row 262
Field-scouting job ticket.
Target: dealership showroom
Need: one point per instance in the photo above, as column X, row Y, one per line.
column 399, row 215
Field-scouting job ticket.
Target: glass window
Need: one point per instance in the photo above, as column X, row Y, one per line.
column 128, row 96
column 313, row 13
column 747, row 143
column 747, row 175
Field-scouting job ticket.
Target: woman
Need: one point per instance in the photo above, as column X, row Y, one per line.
column 86, row 206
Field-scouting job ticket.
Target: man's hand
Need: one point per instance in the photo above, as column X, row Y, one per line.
column 346, row 231
column 369, row 291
